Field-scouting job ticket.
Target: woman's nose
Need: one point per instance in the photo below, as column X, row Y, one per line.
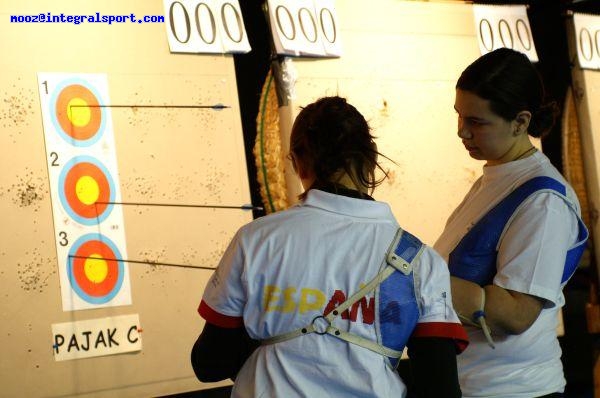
column 463, row 132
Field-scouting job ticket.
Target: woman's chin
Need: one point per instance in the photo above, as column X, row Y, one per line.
column 475, row 154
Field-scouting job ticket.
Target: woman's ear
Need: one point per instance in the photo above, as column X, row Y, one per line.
column 292, row 160
column 299, row 169
column 521, row 122
column 302, row 172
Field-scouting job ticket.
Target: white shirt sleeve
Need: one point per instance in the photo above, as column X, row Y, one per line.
column 432, row 288
column 225, row 292
column 437, row 317
column 533, row 249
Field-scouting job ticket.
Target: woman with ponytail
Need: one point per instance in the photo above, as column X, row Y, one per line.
column 516, row 238
column 319, row 300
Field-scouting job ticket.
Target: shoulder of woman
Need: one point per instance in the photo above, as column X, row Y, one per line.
column 551, row 203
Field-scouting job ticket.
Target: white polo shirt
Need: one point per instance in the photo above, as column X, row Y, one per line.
column 530, row 260
column 282, row 270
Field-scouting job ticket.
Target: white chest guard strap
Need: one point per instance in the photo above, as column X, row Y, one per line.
column 322, row 324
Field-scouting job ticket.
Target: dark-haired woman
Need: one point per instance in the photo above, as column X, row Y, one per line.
column 332, row 289
column 516, row 238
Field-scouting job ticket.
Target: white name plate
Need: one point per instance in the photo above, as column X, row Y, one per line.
column 96, row 337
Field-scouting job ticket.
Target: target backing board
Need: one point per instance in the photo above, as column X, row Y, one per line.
column 84, row 187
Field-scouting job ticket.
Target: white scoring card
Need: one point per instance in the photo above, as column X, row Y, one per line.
column 328, row 24
column 587, row 38
column 205, row 26
column 304, row 28
column 507, row 26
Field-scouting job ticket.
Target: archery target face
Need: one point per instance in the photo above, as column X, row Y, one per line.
column 76, row 112
column 95, row 269
column 84, row 181
column 84, row 187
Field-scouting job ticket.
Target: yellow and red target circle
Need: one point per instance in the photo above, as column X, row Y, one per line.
column 77, row 113
column 86, row 190
column 95, row 268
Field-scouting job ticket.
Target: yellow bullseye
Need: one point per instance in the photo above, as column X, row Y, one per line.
column 79, row 112
column 87, row 190
column 96, row 268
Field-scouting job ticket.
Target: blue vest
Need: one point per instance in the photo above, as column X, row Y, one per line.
column 474, row 258
column 397, row 307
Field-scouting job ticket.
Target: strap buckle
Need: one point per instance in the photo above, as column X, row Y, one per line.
column 320, row 327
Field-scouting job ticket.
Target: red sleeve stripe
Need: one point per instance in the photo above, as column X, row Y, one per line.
column 442, row 329
column 224, row 321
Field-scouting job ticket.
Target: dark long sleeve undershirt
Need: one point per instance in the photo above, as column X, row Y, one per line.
column 219, row 353
column 433, row 370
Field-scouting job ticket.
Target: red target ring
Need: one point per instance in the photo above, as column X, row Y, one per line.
column 78, row 112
